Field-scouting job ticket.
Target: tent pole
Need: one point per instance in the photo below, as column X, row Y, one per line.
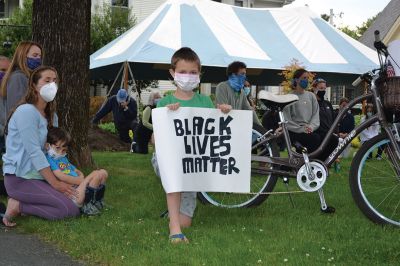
column 126, row 76
column 115, row 81
column 133, row 78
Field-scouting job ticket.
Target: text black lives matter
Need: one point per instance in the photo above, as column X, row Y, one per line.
column 198, row 134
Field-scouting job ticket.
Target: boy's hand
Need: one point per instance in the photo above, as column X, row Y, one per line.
column 225, row 108
column 173, row 106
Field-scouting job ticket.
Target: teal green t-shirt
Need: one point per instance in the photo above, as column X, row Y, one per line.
column 198, row 100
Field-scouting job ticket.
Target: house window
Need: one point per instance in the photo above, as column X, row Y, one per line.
column 337, row 94
column 2, row 9
column 120, row 3
column 239, row 3
column 120, row 9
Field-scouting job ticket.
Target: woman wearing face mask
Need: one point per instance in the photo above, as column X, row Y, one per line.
column 27, row 57
column 303, row 115
column 233, row 91
column 25, row 166
column 144, row 130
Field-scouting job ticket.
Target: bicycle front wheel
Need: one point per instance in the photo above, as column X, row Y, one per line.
column 375, row 181
column 259, row 183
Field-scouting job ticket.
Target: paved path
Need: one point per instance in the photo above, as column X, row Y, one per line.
column 20, row 249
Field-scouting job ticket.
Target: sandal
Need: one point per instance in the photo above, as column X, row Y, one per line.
column 9, row 220
column 178, row 238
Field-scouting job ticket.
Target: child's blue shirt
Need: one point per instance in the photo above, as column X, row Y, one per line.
column 63, row 165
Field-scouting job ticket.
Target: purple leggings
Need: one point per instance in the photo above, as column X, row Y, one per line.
column 38, row 198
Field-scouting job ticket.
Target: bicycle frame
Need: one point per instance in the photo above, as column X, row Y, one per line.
column 295, row 160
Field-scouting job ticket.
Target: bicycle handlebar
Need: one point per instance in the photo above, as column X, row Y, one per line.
column 357, row 82
column 379, row 45
column 365, row 77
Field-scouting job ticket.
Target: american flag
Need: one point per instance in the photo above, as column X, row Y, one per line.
column 390, row 70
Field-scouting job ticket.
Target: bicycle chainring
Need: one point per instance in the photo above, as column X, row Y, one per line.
column 304, row 180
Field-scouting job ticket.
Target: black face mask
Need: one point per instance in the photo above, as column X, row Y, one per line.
column 321, row 94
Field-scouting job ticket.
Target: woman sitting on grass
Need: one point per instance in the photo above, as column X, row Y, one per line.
column 31, row 185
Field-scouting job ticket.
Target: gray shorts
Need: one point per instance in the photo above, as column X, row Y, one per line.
column 188, row 199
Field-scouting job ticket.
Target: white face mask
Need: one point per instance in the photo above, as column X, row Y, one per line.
column 187, row 82
column 52, row 152
column 48, row 91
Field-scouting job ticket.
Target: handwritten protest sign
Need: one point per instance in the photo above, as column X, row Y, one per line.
column 201, row 149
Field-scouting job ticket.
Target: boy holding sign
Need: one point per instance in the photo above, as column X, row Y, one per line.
column 185, row 69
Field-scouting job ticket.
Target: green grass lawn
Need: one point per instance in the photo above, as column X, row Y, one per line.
column 130, row 231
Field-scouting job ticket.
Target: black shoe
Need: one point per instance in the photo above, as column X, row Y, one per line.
column 329, row 209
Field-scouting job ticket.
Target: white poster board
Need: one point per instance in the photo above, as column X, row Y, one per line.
column 202, row 149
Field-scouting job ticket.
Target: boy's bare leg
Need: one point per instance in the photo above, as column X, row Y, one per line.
column 81, row 189
column 103, row 176
column 174, row 202
column 95, row 178
column 185, row 221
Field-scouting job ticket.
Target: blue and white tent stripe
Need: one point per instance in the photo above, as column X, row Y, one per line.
column 220, row 34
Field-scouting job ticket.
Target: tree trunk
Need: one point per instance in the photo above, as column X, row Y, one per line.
column 63, row 29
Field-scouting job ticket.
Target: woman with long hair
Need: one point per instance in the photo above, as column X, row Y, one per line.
column 32, row 187
column 27, row 57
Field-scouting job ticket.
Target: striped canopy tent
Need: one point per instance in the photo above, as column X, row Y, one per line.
column 267, row 40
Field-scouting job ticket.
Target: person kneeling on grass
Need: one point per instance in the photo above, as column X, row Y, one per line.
column 90, row 189
column 185, row 69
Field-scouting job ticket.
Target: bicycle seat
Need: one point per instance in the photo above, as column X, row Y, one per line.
column 277, row 101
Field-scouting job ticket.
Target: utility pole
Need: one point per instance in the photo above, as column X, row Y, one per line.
column 331, row 15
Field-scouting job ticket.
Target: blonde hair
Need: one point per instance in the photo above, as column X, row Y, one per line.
column 19, row 61
column 32, row 96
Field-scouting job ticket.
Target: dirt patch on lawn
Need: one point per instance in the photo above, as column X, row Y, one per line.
column 101, row 140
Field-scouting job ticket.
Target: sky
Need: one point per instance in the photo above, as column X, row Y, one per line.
column 355, row 12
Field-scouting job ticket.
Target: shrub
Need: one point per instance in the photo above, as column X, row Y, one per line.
column 110, row 127
column 95, row 104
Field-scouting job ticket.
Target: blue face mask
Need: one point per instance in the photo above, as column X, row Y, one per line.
column 246, row 90
column 237, row 81
column 156, row 102
column 2, row 75
column 303, row 83
column 33, row 63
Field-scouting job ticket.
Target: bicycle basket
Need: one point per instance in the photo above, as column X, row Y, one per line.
column 390, row 92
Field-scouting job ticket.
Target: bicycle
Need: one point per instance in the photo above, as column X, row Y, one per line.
column 375, row 184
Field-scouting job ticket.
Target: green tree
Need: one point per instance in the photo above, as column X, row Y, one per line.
column 17, row 28
column 325, row 17
column 365, row 25
column 52, row 28
column 352, row 33
column 359, row 31
column 107, row 24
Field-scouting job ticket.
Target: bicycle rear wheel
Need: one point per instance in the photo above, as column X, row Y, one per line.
column 259, row 183
column 375, row 181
